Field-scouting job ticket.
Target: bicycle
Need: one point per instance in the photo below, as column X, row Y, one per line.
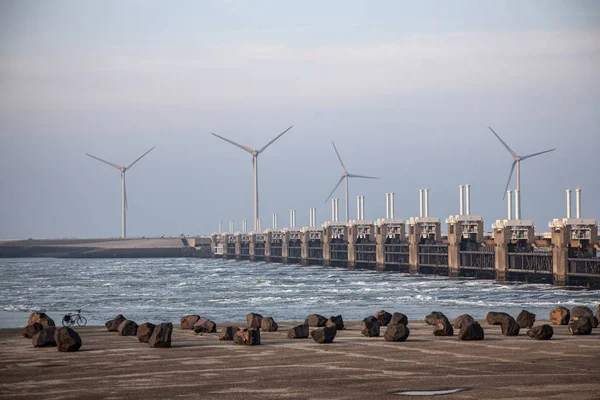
column 72, row 319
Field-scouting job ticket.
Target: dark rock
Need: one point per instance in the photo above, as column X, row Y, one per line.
column 144, row 331
column 128, row 328
column 188, row 321
column 541, row 332
column 67, row 339
column 384, row 317
column 45, row 338
column 581, row 326
column 496, row 318
column 370, row 327
column 113, row 324
column 443, row 328
column 315, row 320
column 399, row 318
column 463, row 320
column 205, row 325
column 248, row 337
column 470, row 331
column 161, row 336
column 268, row 324
column 31, row 330
column 228, row 332
column 582, row 311
column 598, row 314
column 336, row 321
column 396, row 333
column 254, row 320
column 525, row 319
column 42, row 319
column 510, row 326
column 298, row 332
column 435, row 318
column 325, row 335
column 560, row 316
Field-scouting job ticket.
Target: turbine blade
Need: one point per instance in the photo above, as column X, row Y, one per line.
column 509, row 177
column 339, row 158
column 271, row 142
column 131, row 165
column 241, row 146
column 336, row 186
column 536, row 154
column 361, row 176
column 105, row 162
column 505, row 145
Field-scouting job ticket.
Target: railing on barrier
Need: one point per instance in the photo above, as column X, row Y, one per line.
column 339, row 254
column 315, row 252
column 396, row 254
column 259, row 250
column 433, row 255
column 276, row 251
column 531, row 262
column 366, row 254
column 584, row 267
column 230, row 249
column 484, row 258
column 245, row 250
column 294, row 251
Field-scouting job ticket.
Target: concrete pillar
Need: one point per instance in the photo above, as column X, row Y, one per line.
column 351, row 247
column 561, row 238
column 213, row 245
column 268, row 238
column 252, row 246
column 224, row 241
column 380, row 237
column 501, row 239
column 414, row 238
column 238, row 247
column 304, row 238
column 285, row 240
column 454, row 240
column 326, row 246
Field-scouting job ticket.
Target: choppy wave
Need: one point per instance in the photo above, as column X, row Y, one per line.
column 224, row 290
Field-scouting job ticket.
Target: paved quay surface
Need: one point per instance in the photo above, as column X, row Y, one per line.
column 353, row 367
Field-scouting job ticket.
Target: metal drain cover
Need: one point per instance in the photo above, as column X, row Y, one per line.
column 430, row 392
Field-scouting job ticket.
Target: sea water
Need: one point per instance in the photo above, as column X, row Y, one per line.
column 158, row 290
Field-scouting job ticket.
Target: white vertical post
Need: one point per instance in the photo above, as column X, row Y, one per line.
column 337, row 210
column 427, row 202
column 332, row 210
column 568, row 203
column 460, row 189
column 392, row 206
column 357, row 207
column 387, row 206
column 509, row 198
column 220, row 227
column 468, row 199
column 517, row 205
column 293, row 218
column 577, row 203
column 230, row 226
column 362, row 207
column 420, row 202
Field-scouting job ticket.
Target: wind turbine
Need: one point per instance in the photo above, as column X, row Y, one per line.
column 123, row 190
column 517, row 161
column 345, row 175
column 255, row 154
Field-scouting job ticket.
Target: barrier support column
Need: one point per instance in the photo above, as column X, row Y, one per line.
column 238, row 247
column 501, row 240
column 454, row 240
column 380, row 236
column 351, row 247
column 304, row 237
column 326, row 246
column 561, row 238
column 252, row 246
column 414, row 238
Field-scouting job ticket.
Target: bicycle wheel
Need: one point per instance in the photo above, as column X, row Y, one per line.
column 81, row 321
column 66, row 323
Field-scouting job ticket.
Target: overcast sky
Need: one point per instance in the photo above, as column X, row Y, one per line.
column 406, row 90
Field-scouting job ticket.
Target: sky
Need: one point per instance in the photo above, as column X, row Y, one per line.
column 406, row 90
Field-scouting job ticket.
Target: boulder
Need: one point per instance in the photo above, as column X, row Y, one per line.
column 315, row 320
column 325, row 335
column 443, row 328
column 510, row 326
column 67, row 339
column 128, row 328
column 541, row 332
column 496, row 318
column 188, row 321
column 581, row 326
column 45, row 337
column 525, row 319
column 144, row 331
column 560, row 316
column 113, row 324
column 598, row 314
column 205, row 325
column 161, row 336
column 582, row 311
column 268, row 324
column 228, row 332
column 31, row 330
column 254, row 320
column 462, row 320
column 248, row 337
column 435, row 317
column 396, row 333
column 298, row 332
column 370, row 327
column 337, row 321
column 470, row 331
column 42, row 319
column 399, row 318
column 384, row 317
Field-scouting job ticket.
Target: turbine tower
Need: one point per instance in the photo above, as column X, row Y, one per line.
column 123, row 189
column 255, row 154
column 345, row 175
column 517, row 161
